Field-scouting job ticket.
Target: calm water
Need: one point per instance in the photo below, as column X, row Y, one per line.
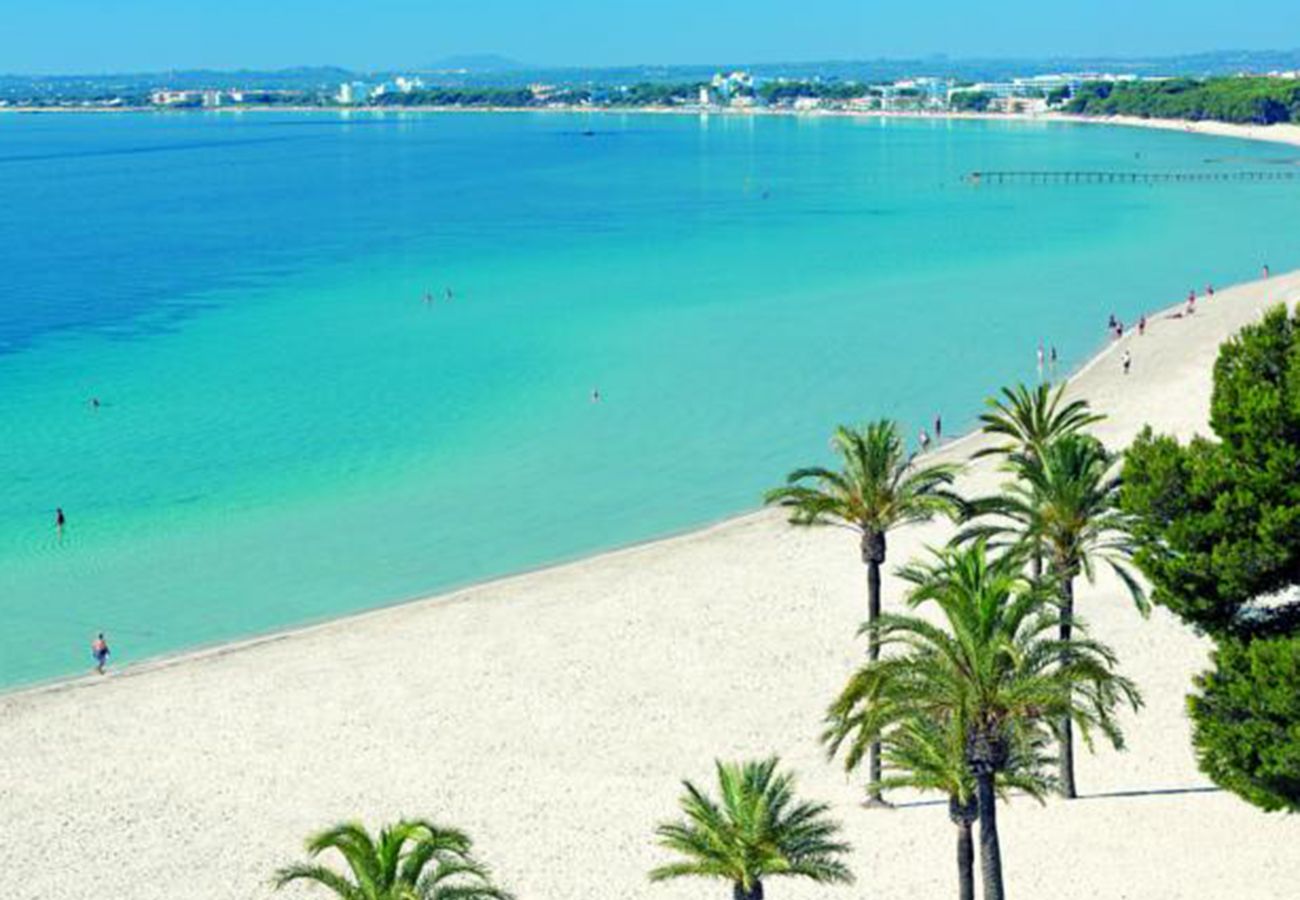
column 288, row 431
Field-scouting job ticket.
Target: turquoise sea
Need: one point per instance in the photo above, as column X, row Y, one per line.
column 288, row 431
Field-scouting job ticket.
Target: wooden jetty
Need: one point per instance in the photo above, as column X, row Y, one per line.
column 1115, row 177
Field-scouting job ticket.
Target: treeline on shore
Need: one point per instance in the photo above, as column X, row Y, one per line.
column 1256, row 101
column 643, row 94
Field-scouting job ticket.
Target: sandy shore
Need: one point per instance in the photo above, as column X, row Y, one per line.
column 552, row 715
column 1278, row 134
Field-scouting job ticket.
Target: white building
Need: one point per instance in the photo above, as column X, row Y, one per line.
column 176, row 98
column 351, row 92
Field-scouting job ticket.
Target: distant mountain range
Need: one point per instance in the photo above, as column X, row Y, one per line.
column 493, row 70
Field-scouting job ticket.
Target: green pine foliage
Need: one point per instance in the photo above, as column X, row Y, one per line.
column 1247, row 720
column 1217, row 520
column 1258, row 101
column 1217, row 526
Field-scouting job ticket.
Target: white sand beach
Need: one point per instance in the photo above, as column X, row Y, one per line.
column 553, row 714
column 1278, row 134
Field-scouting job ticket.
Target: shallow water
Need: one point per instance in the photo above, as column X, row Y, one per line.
column 288, row 431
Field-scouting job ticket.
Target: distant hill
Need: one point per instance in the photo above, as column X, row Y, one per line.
column 475, row 62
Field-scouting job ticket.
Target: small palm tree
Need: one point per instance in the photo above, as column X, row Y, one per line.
column 989, row 669
column 1065, row 502
column 877, row 490
column 412, row 860
column 928, row 755
column 1030, row 420
column 756, row 830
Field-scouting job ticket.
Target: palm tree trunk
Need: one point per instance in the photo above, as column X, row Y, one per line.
column 990, row 850
column 1067, row 725
column 873, row 554
column 738, row 891
column 965, row 862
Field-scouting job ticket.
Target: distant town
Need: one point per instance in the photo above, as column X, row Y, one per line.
column 1229, row 87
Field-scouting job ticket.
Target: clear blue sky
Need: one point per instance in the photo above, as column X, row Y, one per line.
column 52, row 36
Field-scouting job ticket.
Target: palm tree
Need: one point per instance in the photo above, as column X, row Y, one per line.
column 757, row 830
column 990, row 670
column 1031, row 419
column 412, row 860
column 877, row 490
column 1065, row 502
column 928, row 755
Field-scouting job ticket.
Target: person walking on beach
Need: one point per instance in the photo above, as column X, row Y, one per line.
column 1127, row 361
column 924, row 440
column 1040, row 360
column 1142, row 325
column 1265, row 270
column 99, row 651
column 1191, row 304
column 1209, row 290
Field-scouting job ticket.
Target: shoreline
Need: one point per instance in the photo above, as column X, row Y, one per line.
column 1279, row 133
column 951, row 450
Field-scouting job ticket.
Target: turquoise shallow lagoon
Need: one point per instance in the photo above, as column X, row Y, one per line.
column 288, row 431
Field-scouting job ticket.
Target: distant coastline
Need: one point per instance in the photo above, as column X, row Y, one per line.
column 1279, row 133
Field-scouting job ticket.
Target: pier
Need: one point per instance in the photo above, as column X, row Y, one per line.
column 1115, row 177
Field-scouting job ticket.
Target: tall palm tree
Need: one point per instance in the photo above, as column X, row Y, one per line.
column 929, row 755
column 411, row 860
column 876, row 490
column 1029, row 419
column 756, row 830
column 1065, row 502
column 990, row 669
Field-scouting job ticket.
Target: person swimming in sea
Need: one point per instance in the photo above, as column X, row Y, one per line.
column 448, row 294
column 60, row 519
column 595, row 395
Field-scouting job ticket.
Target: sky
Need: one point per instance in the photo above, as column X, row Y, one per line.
column 92, row 36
